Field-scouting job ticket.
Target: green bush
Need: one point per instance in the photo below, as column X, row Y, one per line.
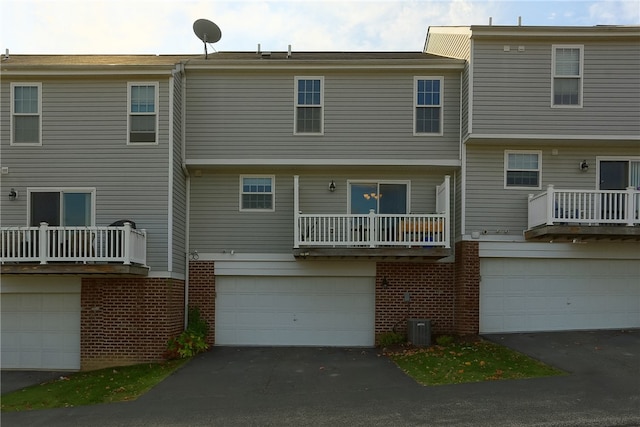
column 444, row 340
column 192, row 340
column 390, row 338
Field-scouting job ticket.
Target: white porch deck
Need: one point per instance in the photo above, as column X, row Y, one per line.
column 375, row 230
column 584, row 207
column 45, row 244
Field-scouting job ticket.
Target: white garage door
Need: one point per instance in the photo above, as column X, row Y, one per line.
column 41, row 330
column 518, row 295
column 297, row 311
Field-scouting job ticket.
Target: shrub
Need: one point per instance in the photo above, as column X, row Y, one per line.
column 192, row 340
column 390, row 338
column 444, row 340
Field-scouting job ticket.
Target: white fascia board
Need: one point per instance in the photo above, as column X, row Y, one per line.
column 121, row 72
column 554, row 137
column 323, row 162
column 596, row 250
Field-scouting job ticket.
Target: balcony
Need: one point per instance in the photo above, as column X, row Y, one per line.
column 73, row 250
column 580, row 215
column 374, row 235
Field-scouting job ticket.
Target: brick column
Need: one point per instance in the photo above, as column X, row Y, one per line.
column 467, row 288
column 202, row 293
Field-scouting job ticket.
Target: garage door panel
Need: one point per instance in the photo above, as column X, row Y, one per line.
column 40, row 330
column 307, row 311
column 519, row 295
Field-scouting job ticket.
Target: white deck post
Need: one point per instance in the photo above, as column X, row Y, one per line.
column 372, row 228
column 630, row 206
column 296, row 211
column 550, row 204
column 447, row 211
column 127, row 243
column 43, row 240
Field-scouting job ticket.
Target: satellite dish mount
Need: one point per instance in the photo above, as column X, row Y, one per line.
column 208, row 32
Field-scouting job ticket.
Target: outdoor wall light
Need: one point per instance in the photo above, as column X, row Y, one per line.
column 385, row 283
column 332, row 186
column 584, row 166
column 13, row 194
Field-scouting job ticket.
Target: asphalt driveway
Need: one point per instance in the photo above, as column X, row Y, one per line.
column 334, row 386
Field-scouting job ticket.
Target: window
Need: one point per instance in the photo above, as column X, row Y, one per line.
column 257, row 193
column 382, row 197
column 143, row 114
column 428, row 105
column 69, row 207
column 522, row 169
column 309, row 105
column 567, row 76
column 26, row 106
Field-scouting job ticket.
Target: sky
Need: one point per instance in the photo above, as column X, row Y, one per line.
column 166, row 26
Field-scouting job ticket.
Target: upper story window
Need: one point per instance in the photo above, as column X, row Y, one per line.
column 257, row 193
column 428, row 105
column 309, row 114
column 522, row 169
column 66, row 207
column 567, row 76
column 143, row 113
column 26, row 116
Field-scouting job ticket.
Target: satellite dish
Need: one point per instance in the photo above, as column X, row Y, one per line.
column 207, row 31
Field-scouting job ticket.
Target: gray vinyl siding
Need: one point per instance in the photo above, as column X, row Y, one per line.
column 179, row 181
column 217, row 225
column 491, row 207
column 512, row 90
column 84, row 144
column 366, row 115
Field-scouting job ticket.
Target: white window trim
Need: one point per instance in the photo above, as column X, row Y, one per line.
column 415, row 104
column 129, row 113
column 580, row 75
column 273, row 193
column 91, row 190
column 296, row 105
column 378, row 182
column 506, row 169
column 13, row 113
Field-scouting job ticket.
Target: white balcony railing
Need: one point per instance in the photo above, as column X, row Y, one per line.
column 375, row 230
column 372, row 230
column 586, row 207
column 44, row 244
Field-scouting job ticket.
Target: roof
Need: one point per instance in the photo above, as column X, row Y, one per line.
column 164, row 64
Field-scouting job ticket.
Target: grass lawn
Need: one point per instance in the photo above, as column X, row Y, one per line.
column 464, row 362
column 92, row 387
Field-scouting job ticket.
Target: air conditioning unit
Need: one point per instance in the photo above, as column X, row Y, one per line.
column 419, row 332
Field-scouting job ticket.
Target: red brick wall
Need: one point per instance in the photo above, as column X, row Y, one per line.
column 128, row 320
column 467, row 288
column 202, row 293
column 430, row 286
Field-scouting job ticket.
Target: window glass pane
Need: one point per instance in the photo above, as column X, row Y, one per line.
column 26, row 129
column 523, row 161
column 428, row 92
column 143, row 99
column 143, row 129
column 566, row 91
column 567, row 62
column 257, row 201
column 428, row 120
column 45, row 207
column 364, row 197
column 26, row 100
column 309, row 92
column 522, row 178
column 77, row 209
column 309, row 120
column 393, row 199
